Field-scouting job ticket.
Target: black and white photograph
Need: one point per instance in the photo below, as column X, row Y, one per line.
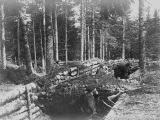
column 79, row 59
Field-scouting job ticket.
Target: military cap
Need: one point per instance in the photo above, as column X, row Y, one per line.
column 90, row 88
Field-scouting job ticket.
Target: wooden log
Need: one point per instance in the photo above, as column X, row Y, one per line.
column 38, row 94
column 23, row 109
column 91, row 69
column 115, row 96
column 15, row 93
column 23, row 115
column 12, row 106
column 12, row 94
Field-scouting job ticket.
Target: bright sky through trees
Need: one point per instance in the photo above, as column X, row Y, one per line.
column 153, row 4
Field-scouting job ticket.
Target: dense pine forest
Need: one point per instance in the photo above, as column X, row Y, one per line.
column 39, row 33
column 63, row 58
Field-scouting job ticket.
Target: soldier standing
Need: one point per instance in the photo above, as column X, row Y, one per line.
column 89, row 105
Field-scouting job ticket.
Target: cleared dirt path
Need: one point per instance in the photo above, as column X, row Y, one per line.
column 136, row 107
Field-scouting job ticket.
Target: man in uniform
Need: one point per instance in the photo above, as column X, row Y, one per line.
column 122, row 70
column 89, row 105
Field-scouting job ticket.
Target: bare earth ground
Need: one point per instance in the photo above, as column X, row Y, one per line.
column 136, row 107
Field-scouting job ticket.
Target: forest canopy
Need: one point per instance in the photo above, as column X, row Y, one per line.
column 38, row 33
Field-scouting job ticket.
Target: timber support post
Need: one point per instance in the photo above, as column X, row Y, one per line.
column 29, row 103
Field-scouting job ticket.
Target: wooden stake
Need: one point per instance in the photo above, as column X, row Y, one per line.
column 28, row 103
column 107, row 104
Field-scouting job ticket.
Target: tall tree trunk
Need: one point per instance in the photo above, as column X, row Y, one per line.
column 85, row 46
column 44, row 31
column 56, row 32
column 103, row 46
column 107, row 45
column 89, row 47
column 28, row 60
column 66, row 41
column 85, row 29
column 0, row 42
column 123, row 37
column 82, row 30
column 35, row 51
column 3, row 49
column 141, row 39
column 18, row 40
column 106, row 35
column 0, row 50
column 93, row 33
column 108, row 51
column 50, row 53
column 42, row 54
column 100, row 43
column 88, row 16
